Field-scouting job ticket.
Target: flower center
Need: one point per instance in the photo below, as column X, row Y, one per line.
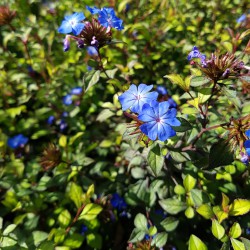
column 138, row 97
column 158, row 119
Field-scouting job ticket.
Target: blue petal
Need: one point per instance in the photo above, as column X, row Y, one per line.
column 152, row 128
column 248, row 133
column 151, row 96
column 143, row 88
column 76, row 91
column 147, row 114
column 65, row 28
column 93, row 10
column 247, row 144
column 137, row 106
column 77, row 28
column 165, row 131
column 163, row 108
column 78, row 16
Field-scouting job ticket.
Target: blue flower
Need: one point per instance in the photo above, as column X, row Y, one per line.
column 67, row 100
column 51, row 120
column 248, row 133
column 195, row 53
column 161, row 90
column 242, row 18
column 72, row 23
column 135, row 98
column 84, row 229
column 17, row 141
column 63, row 125
column 244, row 159
column 118, row 202
column 247, row 147
column 158, row 120
column 76, row 91
column 92, row 51
column 107, row 18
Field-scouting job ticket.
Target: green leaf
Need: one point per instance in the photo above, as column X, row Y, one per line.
column 38, row 237
column 195, row 243
column 91, row 78
column 141, row 222
column 160, row 239
column 94, row 240
column 189, row 212
column 74, row 241
column 136, row 235
column 173, row 206
column 235, row 230
column 220, row 154
column 185, row 125
column 10, row 228
column 231, row 95
column 217, row 229
column 197, row 81
column 205, row 210
column 93, row 63
column 104, row 115
column 226, row 246
column 90, row 212
column 75, row 137
column 111, row 72
column 243, row 34
column 152, row 230
column 198, row 197
column 64, row 218
column 46, row 245
column 63, row 141
column 189, row 182
column 246, row 243
column 176, row 79
column 75, row 194
column 220, row 214
column 237, row 245
column 239, row 207
column 155, row 159
column 170, row 224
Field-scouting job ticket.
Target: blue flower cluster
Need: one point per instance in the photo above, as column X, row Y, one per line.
column 242, row 18
column 77, row 25
column 157, row 118
column 246, row 157
column 62, row 124
column 195, row 53
column 17, row 141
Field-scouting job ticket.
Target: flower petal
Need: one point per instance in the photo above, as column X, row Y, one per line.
column 143, row 88
column 65, row 28
column 248, row 133
column 77, row 28
column 165, row 131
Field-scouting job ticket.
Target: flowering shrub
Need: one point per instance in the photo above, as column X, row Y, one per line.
column 136, row 138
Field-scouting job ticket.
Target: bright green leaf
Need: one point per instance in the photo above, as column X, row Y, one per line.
column 195, row 243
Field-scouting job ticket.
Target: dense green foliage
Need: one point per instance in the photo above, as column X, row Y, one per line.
column 190, row 192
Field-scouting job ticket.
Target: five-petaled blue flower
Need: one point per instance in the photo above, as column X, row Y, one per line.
column 107, row 17
column 17, row 141
column 135, row 98
column 72, row 23
column 118, row 202
column 158, row 119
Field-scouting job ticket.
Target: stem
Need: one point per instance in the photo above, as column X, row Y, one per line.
column 75, row 219
column 203, row 130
